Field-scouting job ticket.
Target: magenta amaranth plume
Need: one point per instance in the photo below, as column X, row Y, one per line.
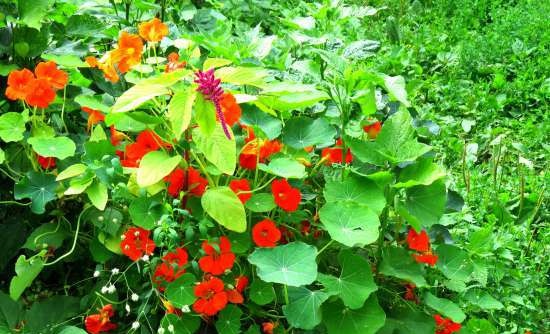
column 210, row 88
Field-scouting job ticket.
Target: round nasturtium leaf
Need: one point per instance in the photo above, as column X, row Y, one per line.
column 12, row 126
column 397, row 262
column 39, row 188
column 350, row 223
column 355, row 189
column 225, row 207
column 261, row 292
column 154, row 166
column 301, row 132
column 285, row 167
column 180, row 292
column 57, row 147
column 229, row 320
column 261, row 202
column 145, row 212
column 445, row 307
column 304, row 309
column 292, row 264
column 366, row 320
column 186, row 324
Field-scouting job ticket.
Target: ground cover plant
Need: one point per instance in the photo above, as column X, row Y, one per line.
column 274, row 167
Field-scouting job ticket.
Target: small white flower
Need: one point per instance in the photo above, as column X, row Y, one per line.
column 115, row 271
column 122, row 237
column 136, row 233
column 171, row 328
column 145, row 258
column 134, row 297
column 104, row 289
column 111, row 289
column 135, row 325
column 185, row 309
column 127, row 308
column 161, row 330
column 96, row 273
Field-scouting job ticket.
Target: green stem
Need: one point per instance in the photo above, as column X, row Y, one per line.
column 325, row 247
column 285, row 291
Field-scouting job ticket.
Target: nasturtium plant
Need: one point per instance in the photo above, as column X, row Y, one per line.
column 253, row 167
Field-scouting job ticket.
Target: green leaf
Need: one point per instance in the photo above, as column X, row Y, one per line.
column 301, row 132
column 180, row 292
column 26, row 271
column 287, row 96
column 483, row 300
column 424, row 205
column 92, row 102
column 261, row 202
column 43, row 315
column 50, row 234
column 108, row 221
column 71, row 171
column 252, row 76
column 180, row 110
column 358, row 190
column 304, row 308
column 423, row 172
column 66, row 60
column 145, row 212
column 292, row 264
column 479, row 326
column 229, row 320
column 215, row 63
column 205, row 115
column 154, row 166
column 269, row 125
column 31, row 12
column 184, row 325
column 10, row 313
column 225, row 207
column 395, row 86
column 98, row 194
column 349, row 223
column 444, row 307
column 12, row 126
column 72, row 330
column 366, row 320
column 284, row 167
column 217, row 149
column 403, row 320
column 397, row 262
column 57, row 147
column 261, row 293
column 84, row 25
column 454, row 263
column 355, row 283
column 80, row 184
column 39, row 188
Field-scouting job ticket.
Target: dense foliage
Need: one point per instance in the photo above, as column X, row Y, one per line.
column 274, row 166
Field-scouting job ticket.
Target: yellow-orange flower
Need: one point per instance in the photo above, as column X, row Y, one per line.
column 153, row 31
column 128, row 53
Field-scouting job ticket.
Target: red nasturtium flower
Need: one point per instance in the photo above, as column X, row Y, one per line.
column 45, row 162
column 17, row 84
column 174, row 63
column 212, row 297
column 266, row 234
column 418, row 241
column 170, row 309
column 171, row 268
column 136, row 243
column 409, row 292
column 39, row 93
column 333, row 155
column 286, row 197
column 48, row 71
column 241, row 186
column 257, row 150
column 268, row 327
column 101, row 322
column 189, row 180
column 286, row 235
column 230, row 108
column 214, row 262
column 373, row 129
column 445, row 325
column 241, row 282
column 147, row 141
column 153, row 30
column 94, row 116
column 427, row 258
column 116, row 136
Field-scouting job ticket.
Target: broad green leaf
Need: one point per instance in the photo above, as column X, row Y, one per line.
column 252, row 76
column 180, row 292
column 215, row 63
column 98, row 194
column 84, row 25
column 424, row 205
column 479, row 326
column 261, row 202
column 67, row 60
column 269, row 125
column 71, row 171
column 92, row 102
column 5, row 69
column 229, row 320
column 401, row 319
column 261, row 293
column 444, row 307
column 358, row 190
column 301, row 132
column 108, row 220
column 205, row 115
column 304, row 308
column 240, row 242
column 225, row 207
column 180, row 110
column 454, row 263
column 355, row 283
column 186, row 324
column 349, row 223
column 72, row 330
column 98, row 134
column 367, row 100
column 80, row 184
column 12, row 126
column 217, row 149
column 49, row 234
column 39, row 188
column 395, row 86
column 481, row 241
column 10, row 313
column 287, row 96
column 154, row 166
column 366, row 320
column 423, row 172
column 284, row 167
column 124, row 122
column 397, row 262
column 54, row 310
column 57, row 147
column 26, row 271
column 483, row 300
column 292, row 264
column 145, row 212
column 31, row 12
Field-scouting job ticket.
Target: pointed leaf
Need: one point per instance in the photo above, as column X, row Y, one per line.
column 225, row 207
column 217, row 149
column 180, row 110
column 154, row 166
column 26, row 271
column 444, row 307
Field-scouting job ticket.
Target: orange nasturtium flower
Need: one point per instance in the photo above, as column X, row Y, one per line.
column 17, row 83
column 153, row 30
column 101, row 322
